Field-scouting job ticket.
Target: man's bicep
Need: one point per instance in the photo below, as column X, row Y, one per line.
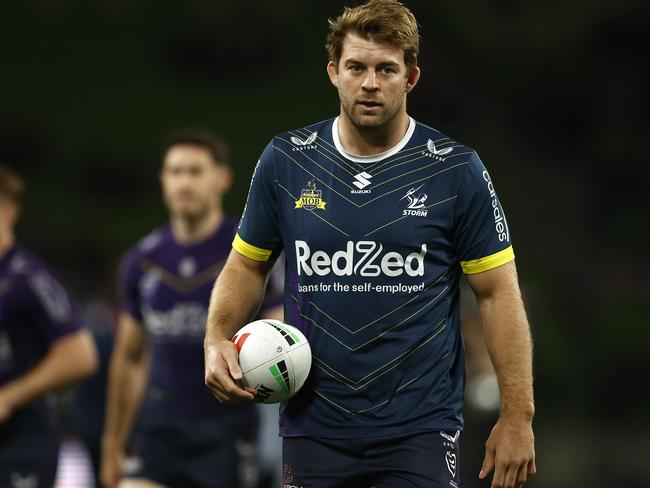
column 496, row 280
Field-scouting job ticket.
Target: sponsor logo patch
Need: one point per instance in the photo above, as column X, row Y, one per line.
column 431, row 146
column 362, row 180
column 364, row 258
column 311, row 198
column 500, row 224
column 301, row 144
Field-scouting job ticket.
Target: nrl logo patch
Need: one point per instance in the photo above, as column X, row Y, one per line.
column 310, row 198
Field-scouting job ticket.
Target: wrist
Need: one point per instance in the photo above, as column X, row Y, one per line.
column 111, row 443
column 11, row 395
column 520, row 413
column 215, row 340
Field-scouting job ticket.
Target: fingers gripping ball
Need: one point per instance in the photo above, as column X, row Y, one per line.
column 275, row 359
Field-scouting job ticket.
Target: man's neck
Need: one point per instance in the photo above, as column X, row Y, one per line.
column 190, row 231
column 369, row 142
column 7, row 240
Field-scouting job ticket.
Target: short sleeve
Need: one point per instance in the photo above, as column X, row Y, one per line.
column 274, row 295
column 258, row 236
column 128, row 288
column 51, row 307
column 482, row 235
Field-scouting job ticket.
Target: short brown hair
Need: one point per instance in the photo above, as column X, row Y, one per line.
column 387, row 21
column 202, row 137
column 12, row 186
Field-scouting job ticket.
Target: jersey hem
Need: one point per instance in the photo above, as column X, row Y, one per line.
column 250, row 251
column 488, row 262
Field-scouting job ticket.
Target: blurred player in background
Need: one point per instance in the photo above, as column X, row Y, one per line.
column 379, row 216
column 184, row 438
column 42, row 349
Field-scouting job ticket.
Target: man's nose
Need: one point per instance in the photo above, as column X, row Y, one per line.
column 370, row 81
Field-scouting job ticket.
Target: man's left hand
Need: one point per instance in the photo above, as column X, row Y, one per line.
column 510, row 452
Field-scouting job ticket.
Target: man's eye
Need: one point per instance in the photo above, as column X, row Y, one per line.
column 355, row 68
column 388, row 70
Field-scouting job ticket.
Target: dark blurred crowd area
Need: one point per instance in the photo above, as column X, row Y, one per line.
column 553, row 95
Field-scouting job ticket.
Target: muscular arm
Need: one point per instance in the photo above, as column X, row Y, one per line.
column 510, row 448
column 236, row 298
column 69, row 360
column 126, row 384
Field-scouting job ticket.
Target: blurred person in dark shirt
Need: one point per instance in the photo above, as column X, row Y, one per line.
column 42, row 349
column 184, row 437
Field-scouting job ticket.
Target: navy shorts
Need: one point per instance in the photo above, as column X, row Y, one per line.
column 29, row 450
column 186, row 454
column 424, row 460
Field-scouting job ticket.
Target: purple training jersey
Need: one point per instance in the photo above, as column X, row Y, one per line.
column 166, row 287
column 35, row 311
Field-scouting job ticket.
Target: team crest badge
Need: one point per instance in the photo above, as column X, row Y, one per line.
column 311, row 198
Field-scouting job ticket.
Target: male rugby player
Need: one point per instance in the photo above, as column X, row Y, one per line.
column 42, row 348
column 379, row 215
column 184, row 438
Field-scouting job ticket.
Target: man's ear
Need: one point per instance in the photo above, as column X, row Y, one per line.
column 226, row 178
column 333, row 73
column 412, row 78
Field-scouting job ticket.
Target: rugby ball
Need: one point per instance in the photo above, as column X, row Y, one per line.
column 275, row 359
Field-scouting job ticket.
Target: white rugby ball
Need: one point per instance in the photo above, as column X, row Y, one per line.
column 275, row 358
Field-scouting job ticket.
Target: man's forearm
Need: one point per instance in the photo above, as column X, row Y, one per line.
column 510, row 345
column 126, row 385
column 236, row 298
column 69, row 360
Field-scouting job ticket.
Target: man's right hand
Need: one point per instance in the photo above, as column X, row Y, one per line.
column 110, row 471
column 222, row 373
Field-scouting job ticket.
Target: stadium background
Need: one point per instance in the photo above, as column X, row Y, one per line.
column 554, row 95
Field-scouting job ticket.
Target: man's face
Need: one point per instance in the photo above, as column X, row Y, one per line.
column 192, row 183
column 8, row 214
column 372, row 81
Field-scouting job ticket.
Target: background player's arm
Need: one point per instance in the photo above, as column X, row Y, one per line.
column 510, row 448
column 126, row 384
column 236, row 298
column 275, row 313
column 69, row 359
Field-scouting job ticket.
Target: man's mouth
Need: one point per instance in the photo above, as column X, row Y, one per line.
column 369, row 104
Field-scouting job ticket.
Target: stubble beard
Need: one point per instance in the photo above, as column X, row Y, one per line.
column 370, row 123
column 194, row 218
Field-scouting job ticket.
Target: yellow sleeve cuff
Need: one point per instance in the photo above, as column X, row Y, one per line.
column 250, row 251
column 488, row 262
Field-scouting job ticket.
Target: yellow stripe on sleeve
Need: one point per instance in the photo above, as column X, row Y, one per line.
column 250, row 251
column 488, row 262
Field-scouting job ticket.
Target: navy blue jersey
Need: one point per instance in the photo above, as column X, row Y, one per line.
column 166, row 287
column 375, row 247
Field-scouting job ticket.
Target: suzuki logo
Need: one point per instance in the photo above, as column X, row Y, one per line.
column 363, row 180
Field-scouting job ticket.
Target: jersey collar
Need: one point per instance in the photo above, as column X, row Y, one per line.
column 376, row 157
